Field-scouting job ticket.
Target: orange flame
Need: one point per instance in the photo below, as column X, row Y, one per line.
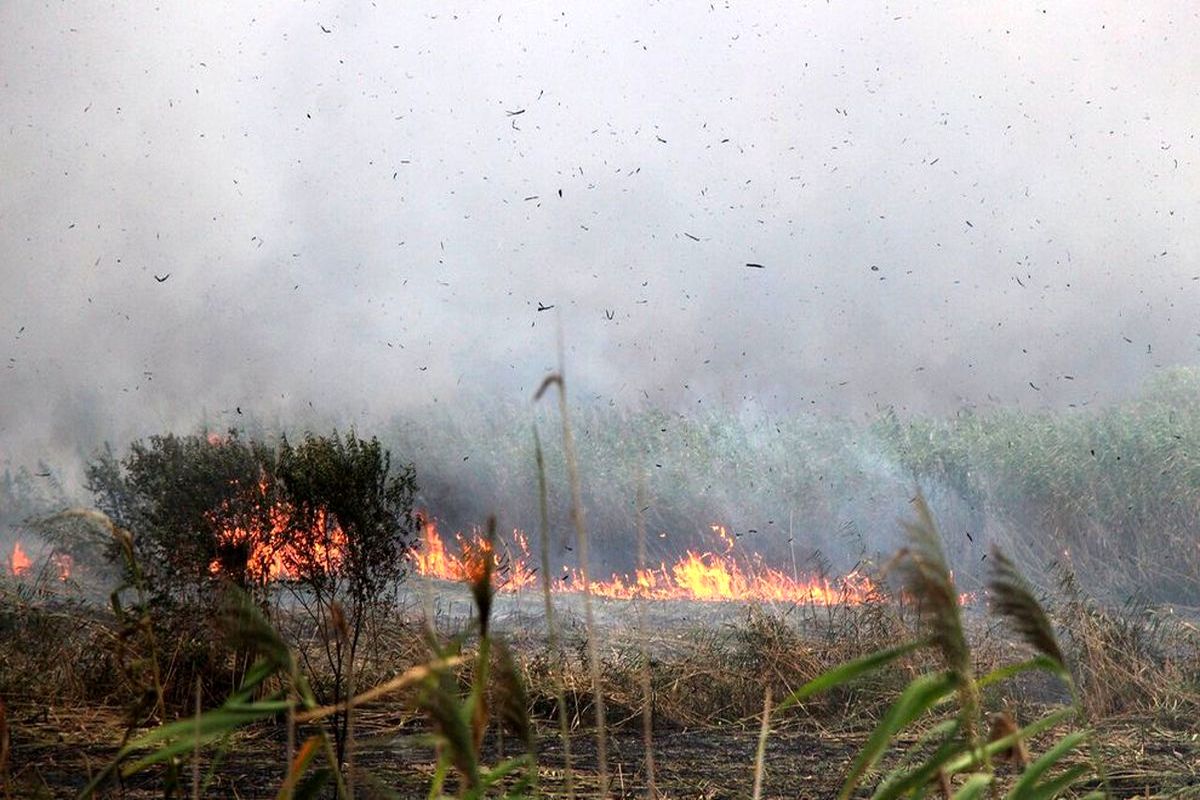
column 696, row 576
column 434, row 560
column 63, row 563
column 275, row 551
column 20, row 562
column 21, row 565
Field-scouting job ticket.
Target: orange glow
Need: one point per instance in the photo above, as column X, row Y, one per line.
column 513, row 570
column 63, row 563
column 276, row 551
column 21, row 565
column 705, row 576
column 20, row 562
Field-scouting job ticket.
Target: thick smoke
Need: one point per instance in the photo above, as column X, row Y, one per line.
column 362, row 210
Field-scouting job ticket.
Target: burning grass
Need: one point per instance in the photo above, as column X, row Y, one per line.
column 707, row 576
column 714, row 644
column 711, row 664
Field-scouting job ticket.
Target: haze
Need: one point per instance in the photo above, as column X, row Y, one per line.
column 361, row 210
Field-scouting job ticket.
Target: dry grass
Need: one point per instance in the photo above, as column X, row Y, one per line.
column 707, row 681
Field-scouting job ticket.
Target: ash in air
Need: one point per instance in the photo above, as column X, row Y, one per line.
column 284, row 217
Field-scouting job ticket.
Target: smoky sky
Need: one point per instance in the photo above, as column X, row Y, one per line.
column 361, row 208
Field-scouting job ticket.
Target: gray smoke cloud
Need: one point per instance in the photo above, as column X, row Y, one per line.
column 361, row 209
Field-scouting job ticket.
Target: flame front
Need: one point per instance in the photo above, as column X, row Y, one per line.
column 707, row 576
column 432, row 559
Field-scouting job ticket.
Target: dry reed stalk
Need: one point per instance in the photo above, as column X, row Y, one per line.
column 401, row 681
column 196, row 747
column 581, row 544
column 928, row 580
column 350, row 734
column 564, row 730
column 291, row 726
column 5, row 749
column 647, row 688
column 760, row 755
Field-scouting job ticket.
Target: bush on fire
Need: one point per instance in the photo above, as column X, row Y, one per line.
column 328, row 518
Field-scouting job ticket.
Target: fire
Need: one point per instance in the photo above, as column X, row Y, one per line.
column 434, row 560
column 707, row 576
column 276, row 551
column 19, row 562
column 63, row 564
column 21, row 565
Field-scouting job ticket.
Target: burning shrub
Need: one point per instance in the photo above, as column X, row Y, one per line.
column 180, row 496
column 329, row 518
column 350, row 526
column 351, row 515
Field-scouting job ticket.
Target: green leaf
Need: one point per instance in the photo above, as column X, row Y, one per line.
column 847, row 672
column 1023, row 787
column 971, row 760
column 1039, row 662
column 314, row 784
column 917, row 698
column 1055, row 786
column 503, row 769
column 186, row 734
column 304, row 757
column 975, row 787
column 903, row 781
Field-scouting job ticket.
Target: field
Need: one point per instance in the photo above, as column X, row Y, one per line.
column 1044, row 570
